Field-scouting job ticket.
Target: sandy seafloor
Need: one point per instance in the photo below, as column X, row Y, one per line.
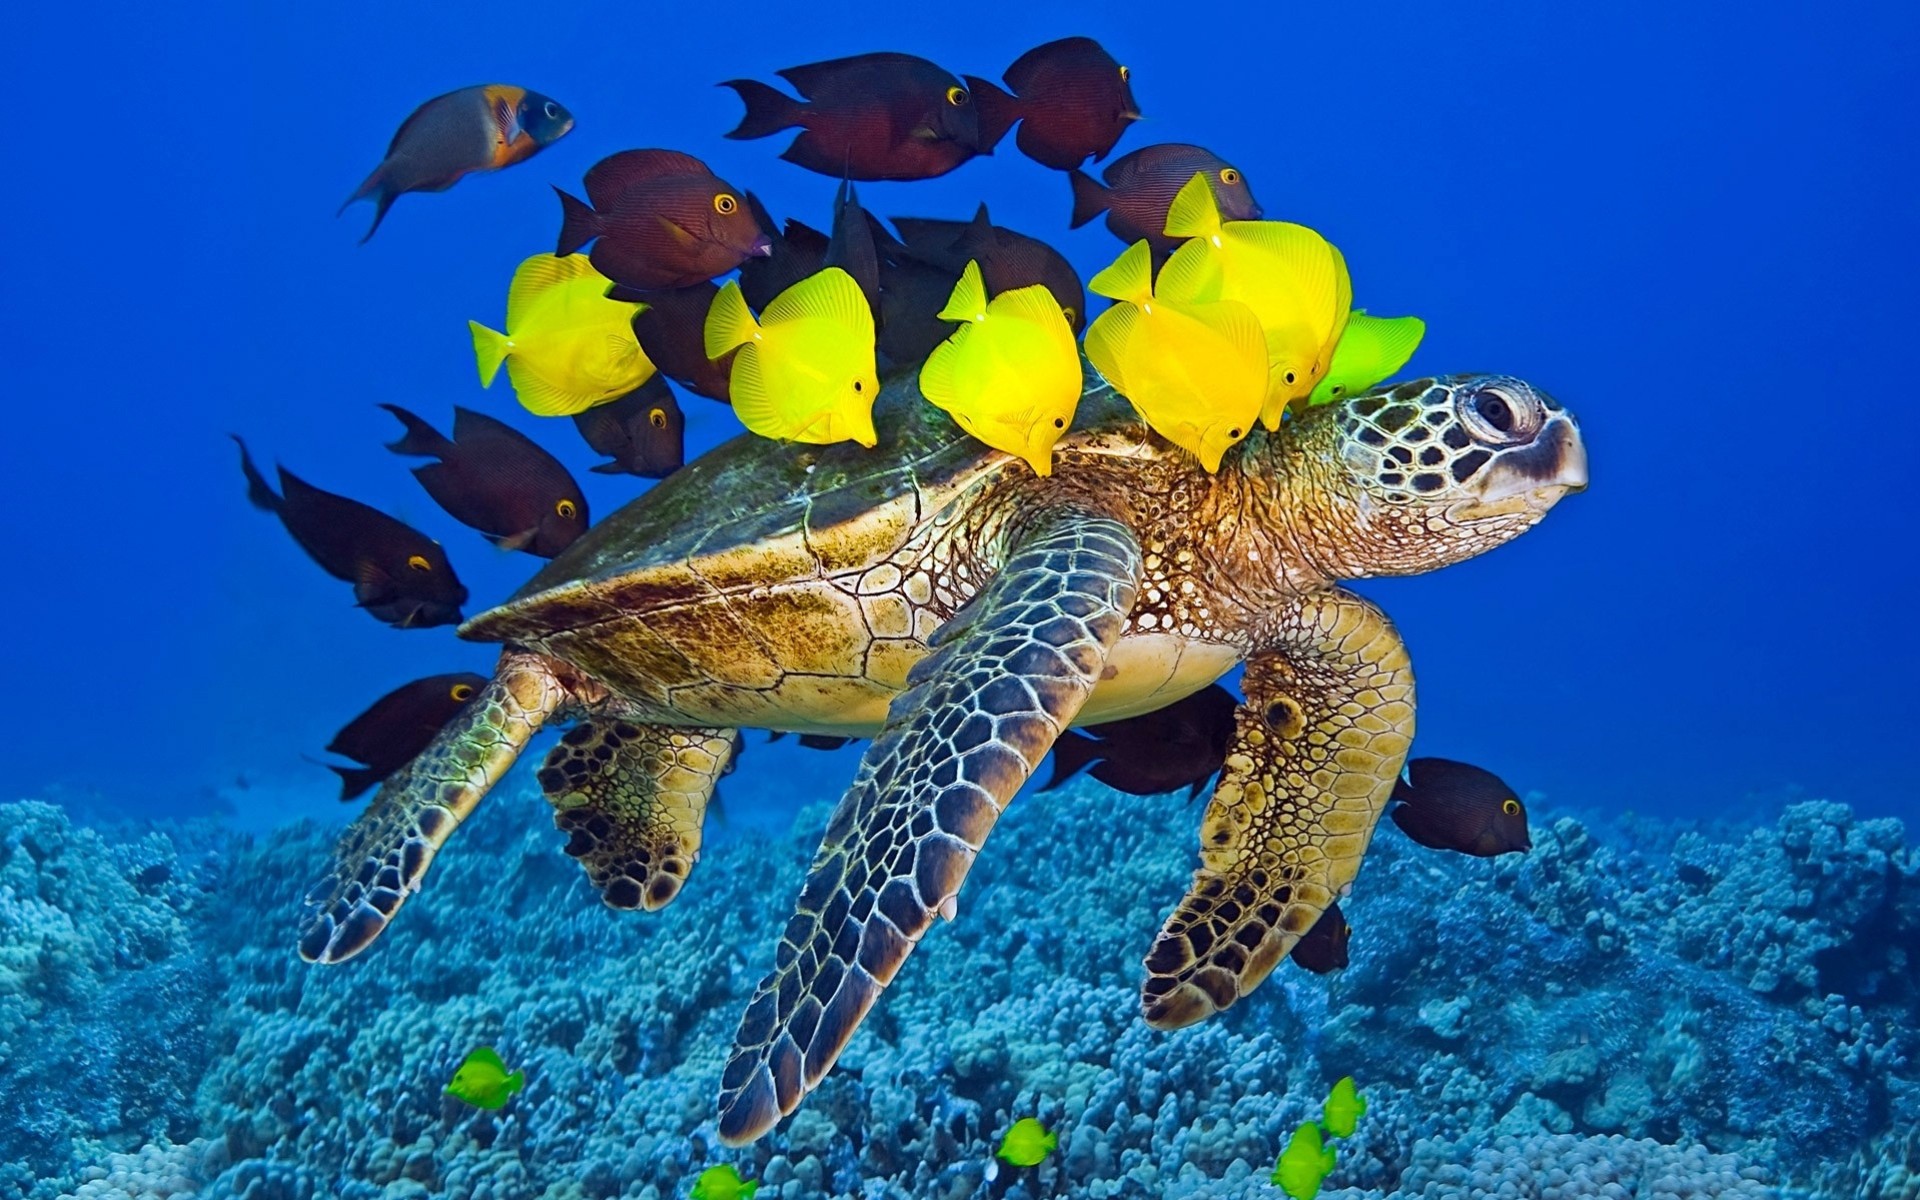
column 1634, row 1009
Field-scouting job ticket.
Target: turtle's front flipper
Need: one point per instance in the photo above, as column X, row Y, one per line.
column 631, row 799
column 1326, row 726
column 383, row 855
column 1005, row 677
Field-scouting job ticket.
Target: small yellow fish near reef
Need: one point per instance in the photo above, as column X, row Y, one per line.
column 567, row 347
column 1027, row 1143
column 482, row 1080
column 1011, row 375
column 1196, row 371
column 805, row 371
column 1293, row 279
column 723, row 1183
column 1343, row 1109
column 1304, row 1164
column 1371, row 349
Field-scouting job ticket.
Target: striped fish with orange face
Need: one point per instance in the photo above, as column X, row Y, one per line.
column 449, row 137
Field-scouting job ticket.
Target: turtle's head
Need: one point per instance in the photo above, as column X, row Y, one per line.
column 1439, row 470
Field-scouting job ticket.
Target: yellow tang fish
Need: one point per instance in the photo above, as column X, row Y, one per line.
column 567, row 347
column 1295, row 281
column 1371, row 349
column 1197, row 372
column 482, row 1080
column 805, row 371
column 1027, row 1142
column 1011, row 375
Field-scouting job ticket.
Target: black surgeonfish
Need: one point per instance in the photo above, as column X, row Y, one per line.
column 659, row 219
column 795, row 252
column 398, row 726
column 1447, row 805
column 399, row 575
column 1179, row 746
column 871, row 116
column 671, row 333
column 493, row 478
column 1073, row 100
column 479, row 128
column 643, row 432
column 1324, row 947
column 1008, row 260
column 1141, row 187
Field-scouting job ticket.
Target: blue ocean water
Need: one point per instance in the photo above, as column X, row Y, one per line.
column 1693, row 226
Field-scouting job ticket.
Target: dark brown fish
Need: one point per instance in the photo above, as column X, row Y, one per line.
column 793, row 254
column 1141, row 187
column 913, row 291
column 872, row 116
column 398, row 726
column 643, row 432
column 659, row 219
column 1179, row 746
column 1008, row 260
column 1324, row 947
column 813, row 741
column 1072, row 98
column 1448, row 805
column 493, row 478
column 671, row 332
column 852, row 247
column 399, row 575
column 449, row 137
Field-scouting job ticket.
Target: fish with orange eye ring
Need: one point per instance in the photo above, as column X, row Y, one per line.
column 643, row 432
column 449, row 137
column 493, row 478
column 397, row 727
column 660, row 219
column 1447, row 805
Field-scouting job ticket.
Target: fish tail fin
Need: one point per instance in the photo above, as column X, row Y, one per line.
column 490, row 349
column 768, row 110
column 579, row 224
column 1089, row 198
column 421, row 440
column 258, row 491
column 374, row 182
column 997, row 110
column 969, row 299
column 1194, row 212
column 354, row 780
column 730, row 322
column 1129, row 278
column 382, row 202
column 515, row 1082
column 1072, row 751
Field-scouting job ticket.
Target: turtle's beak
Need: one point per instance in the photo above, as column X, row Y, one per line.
column 1534, row 477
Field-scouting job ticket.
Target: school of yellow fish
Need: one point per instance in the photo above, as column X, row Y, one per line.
column 1245, row 321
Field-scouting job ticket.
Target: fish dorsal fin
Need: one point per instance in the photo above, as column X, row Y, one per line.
column 486, row 1056
column 1240, row 326
column 936, row 374
column 614, row 174
column 1342, row 300
column 1192, row 275
column 1306, row 259
column 827, row 294
column 539, row 276
column 1195, row 212
column 1129, row 278
column 729, row 322
column 1107, row 340
column 969, row 299
column 1396, row 338
column 1034, row 303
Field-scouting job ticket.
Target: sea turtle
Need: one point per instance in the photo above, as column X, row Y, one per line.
column 940, row 597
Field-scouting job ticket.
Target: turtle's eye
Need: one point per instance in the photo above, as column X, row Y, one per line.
column 1510, row 806
column 725, row 204
column 1493, row 414
column 1494, row 410
column 1229, row 176
column 567, row 508
column 657, row 417
column 419, row 562
column 461, row 693
column 957, row 96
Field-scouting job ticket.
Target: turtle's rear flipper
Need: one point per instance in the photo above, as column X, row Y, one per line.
column 1007, row 675
column 383, row 855
column 1316, row 749
column 631, row 799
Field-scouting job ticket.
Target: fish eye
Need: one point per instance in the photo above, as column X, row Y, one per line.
column 1069, row 313
column 1511, row 807
column 856, row 385
column 552, row 110
column 657, row 417
column 462, row 692
column 567, row 509
column 1346, row 931
column 1059, row 423
column 1229, row 176
column 956, row 96
column 725, row 204
column 1337, row 390
column 419, row 562
column 1125, row 74
column 1234, row 433
column 1289, row 377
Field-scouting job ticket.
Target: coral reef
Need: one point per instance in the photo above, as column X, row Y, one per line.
column 1634, row 1011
